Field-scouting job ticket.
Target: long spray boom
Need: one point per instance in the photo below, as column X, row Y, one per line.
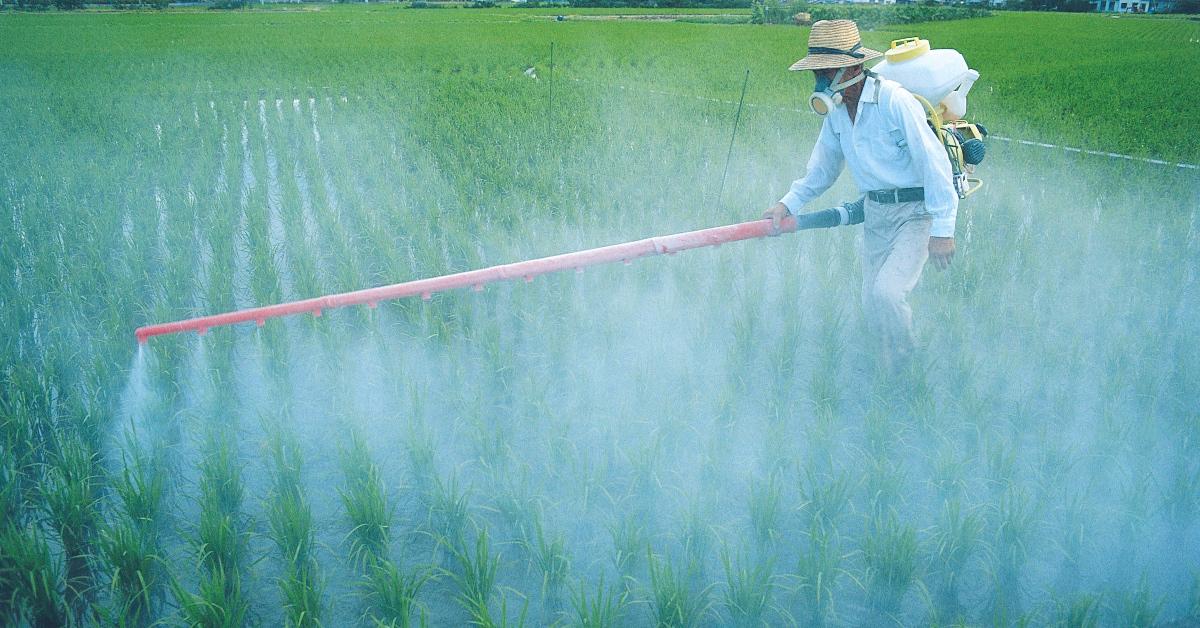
column 527, row 270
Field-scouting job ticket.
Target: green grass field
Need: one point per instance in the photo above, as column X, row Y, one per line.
column 693, row 440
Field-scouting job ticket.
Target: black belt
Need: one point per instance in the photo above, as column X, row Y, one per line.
column 901, row 195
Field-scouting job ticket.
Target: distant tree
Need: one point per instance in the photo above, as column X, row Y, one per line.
column 1191, row 7
column 68, row 5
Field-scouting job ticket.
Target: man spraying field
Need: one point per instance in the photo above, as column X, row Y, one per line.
column 880, row 131
column 911, row 159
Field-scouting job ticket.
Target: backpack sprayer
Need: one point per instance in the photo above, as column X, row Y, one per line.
column 939, row 76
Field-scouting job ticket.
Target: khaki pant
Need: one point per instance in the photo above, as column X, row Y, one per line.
column 895, row 248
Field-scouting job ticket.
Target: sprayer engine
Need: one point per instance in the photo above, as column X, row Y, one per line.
column 965, row 149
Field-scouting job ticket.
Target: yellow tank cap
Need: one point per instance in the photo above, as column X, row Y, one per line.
column 905, row 49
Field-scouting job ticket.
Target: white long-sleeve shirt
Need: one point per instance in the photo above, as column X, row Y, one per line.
column 888, row 146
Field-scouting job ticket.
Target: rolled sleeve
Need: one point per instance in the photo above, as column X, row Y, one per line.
column 931, row 163
column 824, row 166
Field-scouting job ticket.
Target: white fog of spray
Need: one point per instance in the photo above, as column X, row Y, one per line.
column 640, row 426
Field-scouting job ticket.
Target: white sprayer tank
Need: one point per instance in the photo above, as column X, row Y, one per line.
column 940, row 76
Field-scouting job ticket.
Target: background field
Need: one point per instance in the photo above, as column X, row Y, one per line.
column 698, row 439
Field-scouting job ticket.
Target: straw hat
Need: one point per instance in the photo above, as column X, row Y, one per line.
column 834, row 44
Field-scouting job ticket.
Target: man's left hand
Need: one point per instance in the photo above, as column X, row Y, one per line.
column 941, row 251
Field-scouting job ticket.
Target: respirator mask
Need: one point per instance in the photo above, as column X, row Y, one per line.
column 827, row 95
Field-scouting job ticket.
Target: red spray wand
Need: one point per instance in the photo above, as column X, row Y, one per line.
column 527, row 270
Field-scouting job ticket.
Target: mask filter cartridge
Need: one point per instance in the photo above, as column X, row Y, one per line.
column 827, row 94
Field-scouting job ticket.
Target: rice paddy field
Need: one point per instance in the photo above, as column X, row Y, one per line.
column 695, row 440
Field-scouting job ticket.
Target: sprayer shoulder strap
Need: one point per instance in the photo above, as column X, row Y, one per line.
column 931, row 114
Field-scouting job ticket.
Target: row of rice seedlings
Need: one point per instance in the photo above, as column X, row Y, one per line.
column 291, row 527
column 31, row 579
column 71, row 498
column 131, row 544
column 818, row 568
column 366, row 503
column 221, row 541
column 339, row 239
column 390, row 590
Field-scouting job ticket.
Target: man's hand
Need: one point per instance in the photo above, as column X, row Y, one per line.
column 776, row 213
column 941, row 251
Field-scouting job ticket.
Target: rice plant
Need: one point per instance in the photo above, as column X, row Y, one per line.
column 301, row 591
column 221, row 487
column 291, row 527
column 674, row 602
column 448, row 511
column 890, row 552
column 33, row 583
column 1081, row 611
column 765, row 507
column 71, row 498
column 392, row 594
column 605, row 609
column 885, row 480
column 420, row 459
column 219, row 602
column 1014, row 528
column 748, row 589
column 824, row 498
column 549, row 555
column 366, row 504
column 628, row 539
column 954, row 540
column 476, row 579
column 221, row 535
column 696, row 536
column 222, row 542
column 141, row 490
column 817, row 572
column 290, row 522
column 132, row 554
